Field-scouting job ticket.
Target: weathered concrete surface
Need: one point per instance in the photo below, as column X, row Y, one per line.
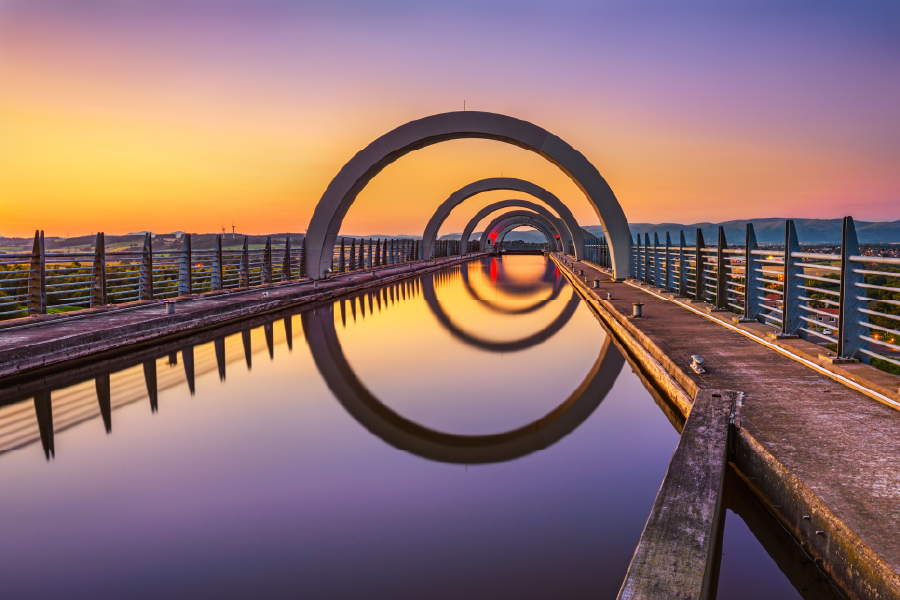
column 807, row 430
column 28, row 344
column 680, row 545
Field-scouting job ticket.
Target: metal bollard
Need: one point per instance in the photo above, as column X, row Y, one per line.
column 596, row 283
column 637, row 309
column 609, row 295
column 170, row 307
column 581, row 272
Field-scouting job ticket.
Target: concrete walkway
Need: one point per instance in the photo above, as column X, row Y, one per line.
column 825, row 458
column 29, row 344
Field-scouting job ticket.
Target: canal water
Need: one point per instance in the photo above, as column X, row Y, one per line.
column 472, row 433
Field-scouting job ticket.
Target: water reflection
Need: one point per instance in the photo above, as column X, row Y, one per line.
column 435, row 445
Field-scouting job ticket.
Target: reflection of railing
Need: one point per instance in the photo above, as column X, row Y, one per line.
column 66, row 399
column 847, row 302
column 38, row 282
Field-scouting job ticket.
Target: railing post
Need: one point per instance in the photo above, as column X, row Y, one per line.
column 303, row 258
column 184, row 269
column 98, row 273
column 216, row 278
column 145, row 287
column 721, row 272
column 656, row 266
column 37, row 278
column 699, row 268
column 668, row 262
column 646, row 257
column 682, row 267
column 850, row 318
column 751, row 279
column 352, row 265
column 790, row 318
column 635, row 255
column 342, row 264
column 266, row 275
column 245, row 263
column 286, row 274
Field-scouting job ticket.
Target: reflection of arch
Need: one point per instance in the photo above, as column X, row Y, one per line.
column 522, row 217
column 415, row 135
column 558, row 284
column 570, row 233
column 470, row 340
column 565, row 239
column 435, row 445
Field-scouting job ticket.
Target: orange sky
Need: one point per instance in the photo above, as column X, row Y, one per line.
column 137, row 118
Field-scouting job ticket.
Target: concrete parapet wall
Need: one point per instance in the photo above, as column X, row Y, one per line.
column 679, row 550
column 837, row 549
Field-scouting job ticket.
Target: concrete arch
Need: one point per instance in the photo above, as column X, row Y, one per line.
column 508, row 225
column 571, row 233
column 560, row 224
column 536, row 221
column 403, row 434
column 367, row 163
column 514, row 223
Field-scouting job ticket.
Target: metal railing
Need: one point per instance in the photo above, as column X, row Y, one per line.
column 38, row 282
column 360, row 254
column 847, row 302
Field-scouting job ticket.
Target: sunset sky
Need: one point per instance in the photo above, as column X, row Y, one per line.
column 129, row 115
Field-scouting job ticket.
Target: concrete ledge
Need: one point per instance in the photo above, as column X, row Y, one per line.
column 839, row 552
column 679, row 550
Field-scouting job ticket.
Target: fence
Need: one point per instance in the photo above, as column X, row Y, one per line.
column 362, row 254
column 848, row 302
column 37, row 282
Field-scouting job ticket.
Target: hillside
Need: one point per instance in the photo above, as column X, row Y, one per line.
column 770, row 231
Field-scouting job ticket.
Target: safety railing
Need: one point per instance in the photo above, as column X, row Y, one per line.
column 353, row 254
column 847, row 302
column 38, row 282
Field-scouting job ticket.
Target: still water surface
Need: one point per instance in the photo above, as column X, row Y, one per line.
column 472, row 433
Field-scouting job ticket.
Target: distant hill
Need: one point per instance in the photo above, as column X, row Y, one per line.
column 769, row 231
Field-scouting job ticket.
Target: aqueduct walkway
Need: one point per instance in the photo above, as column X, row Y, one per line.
column 823, row 456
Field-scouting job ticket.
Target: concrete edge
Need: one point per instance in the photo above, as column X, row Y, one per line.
column 873, row 390
column 680, row 547
column 838, row 550
column 138, row 335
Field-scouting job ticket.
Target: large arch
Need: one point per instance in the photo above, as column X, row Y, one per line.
column 574, row 237
column 560, row 224
column 509, row 225
column 401, row 433
column 415, row 135
column 524, row 217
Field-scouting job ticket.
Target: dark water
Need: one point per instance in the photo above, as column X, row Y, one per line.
column 471, row 434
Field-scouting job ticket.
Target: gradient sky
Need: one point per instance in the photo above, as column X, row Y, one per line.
column 128, row 115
